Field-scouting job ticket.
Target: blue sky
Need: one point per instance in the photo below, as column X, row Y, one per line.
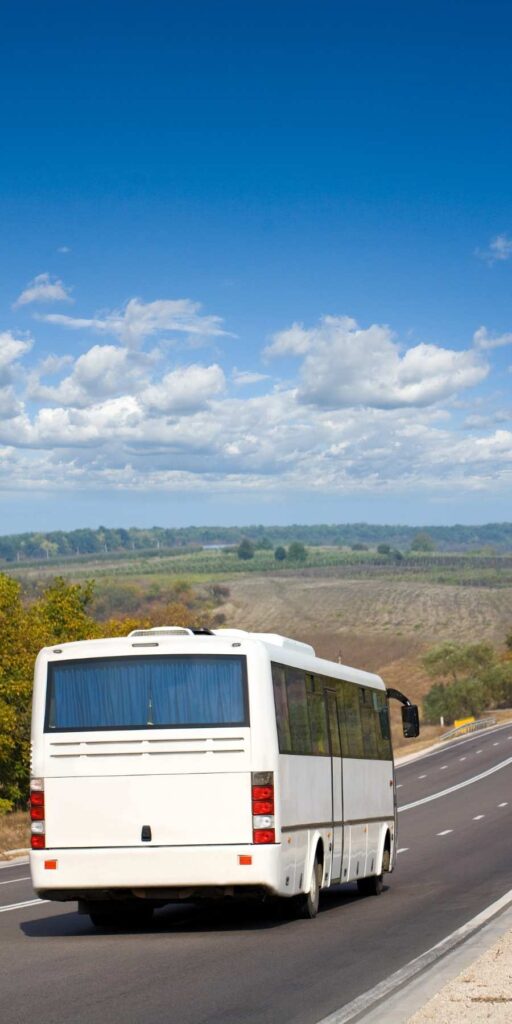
column 256, row 262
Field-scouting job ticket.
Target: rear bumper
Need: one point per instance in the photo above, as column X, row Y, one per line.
column 167, row 871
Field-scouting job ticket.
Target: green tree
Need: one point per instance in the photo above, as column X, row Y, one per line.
column 280, row 553
column 422, row 541
column 297, row 552
column 245, row 549
column 384, row 549
column 450, row 660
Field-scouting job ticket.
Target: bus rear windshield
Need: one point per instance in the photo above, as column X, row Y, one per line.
column 146, row 693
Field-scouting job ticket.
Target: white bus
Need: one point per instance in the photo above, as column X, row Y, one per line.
column 176, row 764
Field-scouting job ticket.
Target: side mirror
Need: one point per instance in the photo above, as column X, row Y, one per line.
column 410, row 721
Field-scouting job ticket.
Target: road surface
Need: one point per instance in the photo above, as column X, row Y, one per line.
column 247, row 965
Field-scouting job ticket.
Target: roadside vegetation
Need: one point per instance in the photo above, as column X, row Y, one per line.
column 62, row 612
column 471, row 679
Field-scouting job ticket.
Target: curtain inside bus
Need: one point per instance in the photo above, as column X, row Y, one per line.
column 146, row 692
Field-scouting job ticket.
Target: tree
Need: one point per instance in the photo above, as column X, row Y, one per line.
column 423, row 542
column 458, row 660
column 297, row 552
column 383, row 549
column 280, row 554
column 245, row 549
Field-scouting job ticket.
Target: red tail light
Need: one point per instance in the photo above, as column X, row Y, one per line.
column 38, row 839
column 262, row 792
column 263, row 835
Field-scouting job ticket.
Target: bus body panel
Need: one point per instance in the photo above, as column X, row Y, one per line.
column 178, row 810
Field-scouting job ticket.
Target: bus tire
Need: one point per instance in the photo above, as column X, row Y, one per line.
column 306, row 905
column 371, row 886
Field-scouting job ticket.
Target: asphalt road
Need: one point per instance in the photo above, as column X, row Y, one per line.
column 245, row 964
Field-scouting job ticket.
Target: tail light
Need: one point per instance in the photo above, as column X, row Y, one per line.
column 38, row 839
column 263, row 823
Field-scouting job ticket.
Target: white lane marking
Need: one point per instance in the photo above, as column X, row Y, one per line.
column 399, row 785
column 462, row 758
column 478, row 817
column 443, row 748
column 445, row 833
column 495, row 744
column 395, row 981
column 460, row 785
column 504, row 804
column 422, row 776
column 19, row 906
column 11, row 881
column 479, row 751
column 403, row 849
column 442, row 768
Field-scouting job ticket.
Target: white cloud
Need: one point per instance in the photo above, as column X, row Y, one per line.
column 345, row 366
column 243, row 377
column 483, row 340
column 43, row 288
column 11, row 350
column 498, row 250
column 185, row 390
column 138, row 320
column 103, row 371
column 63, row 249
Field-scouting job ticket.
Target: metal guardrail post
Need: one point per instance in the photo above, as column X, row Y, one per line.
column 481, row 723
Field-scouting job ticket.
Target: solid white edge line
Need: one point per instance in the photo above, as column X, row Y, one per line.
column 11, row 881
column 18, row 862
column 18, row 906
column 460, row 785
column 385, row 988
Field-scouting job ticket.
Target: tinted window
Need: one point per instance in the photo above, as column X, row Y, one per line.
column 298, row 711
column 146, row 692
column 281, row 706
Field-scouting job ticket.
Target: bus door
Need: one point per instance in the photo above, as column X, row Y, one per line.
column 336, row 784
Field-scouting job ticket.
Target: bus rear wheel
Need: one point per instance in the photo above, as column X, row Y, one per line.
column 307, row 903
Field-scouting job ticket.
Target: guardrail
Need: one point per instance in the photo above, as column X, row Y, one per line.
column 481, row 723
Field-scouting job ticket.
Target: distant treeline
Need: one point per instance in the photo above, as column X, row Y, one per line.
column 73, row 543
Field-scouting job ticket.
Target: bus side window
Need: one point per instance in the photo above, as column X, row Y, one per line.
column 334, row 726
column 352, row 720
column 368, row 723
column 318, row 723
column 382, row 726
column 298, row 711
column 281, row 706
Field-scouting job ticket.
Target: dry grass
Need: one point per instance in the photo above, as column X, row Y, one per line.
column 14, row 833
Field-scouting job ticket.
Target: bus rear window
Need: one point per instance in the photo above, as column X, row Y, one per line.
column 144, row 692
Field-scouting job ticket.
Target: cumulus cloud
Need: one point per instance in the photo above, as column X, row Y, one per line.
column 105, row 370
column 43, row 288
column 138, row 320
column 361, row 415
column 12, row 349
column 184, row 390
column 345, row 365
column 483, row 340
column 498, row 250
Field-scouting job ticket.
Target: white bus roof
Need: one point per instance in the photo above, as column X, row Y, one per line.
column 167, row 636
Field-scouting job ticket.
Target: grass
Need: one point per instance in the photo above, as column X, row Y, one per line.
column 14, row 833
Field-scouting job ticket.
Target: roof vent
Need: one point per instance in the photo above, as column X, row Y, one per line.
column 162, row 631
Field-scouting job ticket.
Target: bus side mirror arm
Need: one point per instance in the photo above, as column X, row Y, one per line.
column 410, row 715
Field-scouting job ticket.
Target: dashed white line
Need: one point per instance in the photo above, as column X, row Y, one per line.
column 403, row 849
column 460, row 785
column 478, row 817
column 504, row 804
column 19, row 906
column 399, row 785
column 442, row 768
column 495, row 744
column 462, row 758
column 446, row 832
column 479, row 751
column 422, row 776
column 11, row 881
